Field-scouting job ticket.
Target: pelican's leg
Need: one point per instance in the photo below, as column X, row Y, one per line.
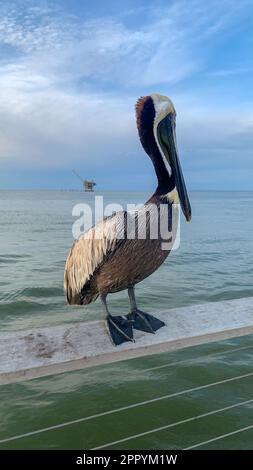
column 141, row 320
column 120, row 328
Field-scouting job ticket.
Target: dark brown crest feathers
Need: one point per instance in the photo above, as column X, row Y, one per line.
column 139, row 108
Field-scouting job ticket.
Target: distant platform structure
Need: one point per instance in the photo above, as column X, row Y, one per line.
column 88, row 185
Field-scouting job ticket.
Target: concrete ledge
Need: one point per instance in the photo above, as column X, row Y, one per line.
column 44, row 351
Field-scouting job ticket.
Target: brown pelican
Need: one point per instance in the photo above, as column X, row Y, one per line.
column 105, row 259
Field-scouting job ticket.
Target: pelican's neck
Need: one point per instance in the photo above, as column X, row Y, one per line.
column 165, row 181
column 145, row 123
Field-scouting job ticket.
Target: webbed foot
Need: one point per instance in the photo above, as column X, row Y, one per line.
column 120, row 329
column 145, row 322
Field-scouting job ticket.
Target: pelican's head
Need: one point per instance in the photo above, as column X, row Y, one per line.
column 156, row 114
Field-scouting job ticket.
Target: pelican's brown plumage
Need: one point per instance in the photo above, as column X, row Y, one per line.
column 105, row 259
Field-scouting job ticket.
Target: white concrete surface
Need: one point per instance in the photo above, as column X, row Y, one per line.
column 45, row 351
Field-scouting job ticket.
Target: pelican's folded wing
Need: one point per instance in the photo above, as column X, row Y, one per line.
column 89, row 252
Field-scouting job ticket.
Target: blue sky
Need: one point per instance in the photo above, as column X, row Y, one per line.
column 71, row 72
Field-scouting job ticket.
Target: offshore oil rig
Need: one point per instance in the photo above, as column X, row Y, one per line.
column 88, row 185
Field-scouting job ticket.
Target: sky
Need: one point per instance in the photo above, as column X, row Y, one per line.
column 72, row 70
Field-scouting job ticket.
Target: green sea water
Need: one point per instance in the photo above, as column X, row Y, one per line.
column 214, row 261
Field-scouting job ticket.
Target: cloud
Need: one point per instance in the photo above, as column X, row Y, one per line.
column 68, row 84
column 51, row 128
column 162, row 50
